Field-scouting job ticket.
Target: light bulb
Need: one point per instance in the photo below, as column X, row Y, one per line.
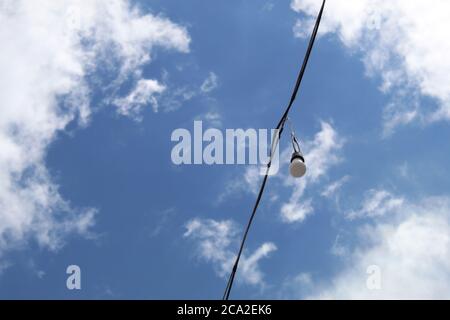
column 297, row 167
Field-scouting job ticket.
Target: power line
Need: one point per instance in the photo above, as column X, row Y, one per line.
column 280, row 128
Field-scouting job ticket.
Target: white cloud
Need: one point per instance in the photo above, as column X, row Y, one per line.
column 334, row 187
column 397, row 113
column 217, row 243
column 296, row 211
column 215, row 237
column 160, row 223
column 403, row 42
column 321, row 154
column 143, row 94
column 248, row 183
column 377, row 203
column 338, row 249
column 174, row 98
column 268, row 6
column 404, row 170
column 210, row 83
column 411, row 249
column 250, row 265
column 213, row 118
column 252, row 179
column 50, row 52
column 296, row 286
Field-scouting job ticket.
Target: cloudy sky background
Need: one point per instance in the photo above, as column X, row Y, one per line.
column 92, row 90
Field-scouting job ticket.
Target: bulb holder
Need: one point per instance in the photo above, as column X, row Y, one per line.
column 298, row 166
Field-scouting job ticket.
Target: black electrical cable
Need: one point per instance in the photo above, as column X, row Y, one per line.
column 280, row 128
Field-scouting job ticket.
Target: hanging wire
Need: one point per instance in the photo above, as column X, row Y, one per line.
column 280, row 128
column 295, row 142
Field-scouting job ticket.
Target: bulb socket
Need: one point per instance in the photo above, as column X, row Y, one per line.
column 297, row 155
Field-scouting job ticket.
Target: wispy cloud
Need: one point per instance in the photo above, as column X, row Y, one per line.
column 161, row 221
column 175, row 97
column 210, row 83
column 334, row 187
column 143, row 94
column 268, row 6
column 217, row 242
column 377, row 203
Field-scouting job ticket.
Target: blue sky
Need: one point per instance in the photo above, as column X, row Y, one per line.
column 148, row 223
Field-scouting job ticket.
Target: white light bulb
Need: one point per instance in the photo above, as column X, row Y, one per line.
column 297, row 167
